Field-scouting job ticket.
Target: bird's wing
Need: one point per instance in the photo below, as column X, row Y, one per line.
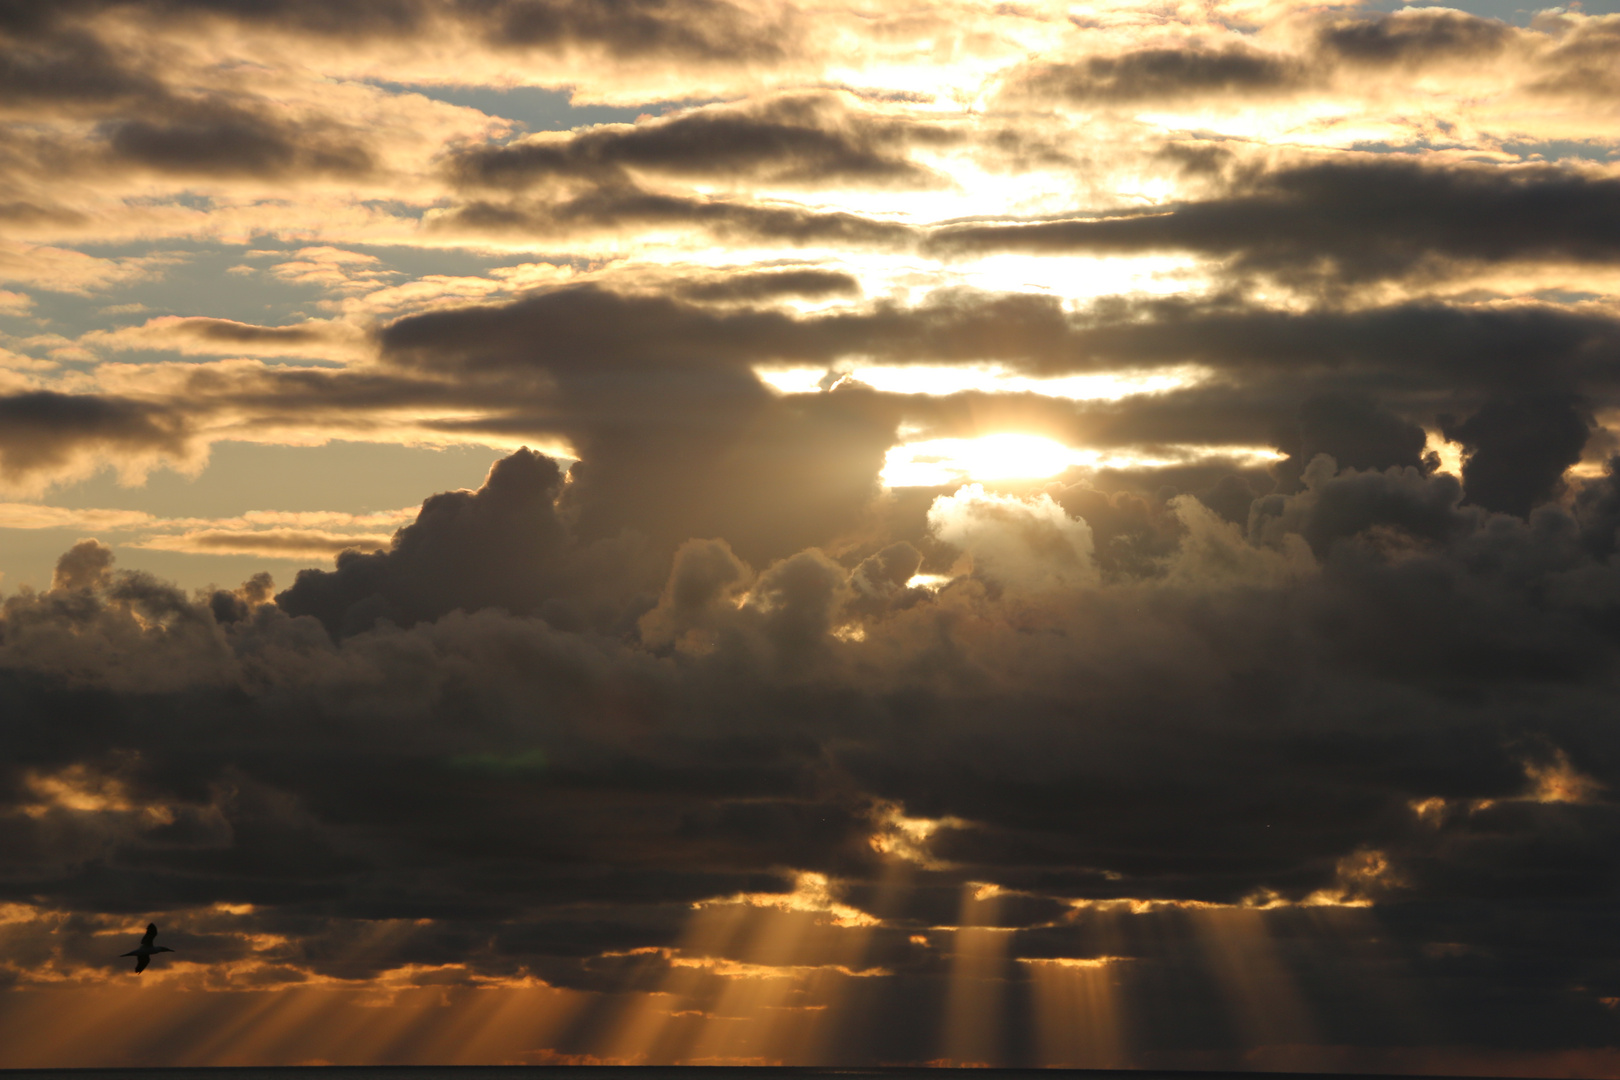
column 141, row 962
column 151, row 932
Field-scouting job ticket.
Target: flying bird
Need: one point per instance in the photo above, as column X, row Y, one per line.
column 143, row 955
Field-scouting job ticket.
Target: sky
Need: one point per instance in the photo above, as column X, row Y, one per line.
column 819, row 533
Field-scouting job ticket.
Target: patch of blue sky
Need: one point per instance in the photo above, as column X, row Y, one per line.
column 395, row 208
column 1557, row 150
column 182, row 278
column 188, row 199
column 534, row 107
column 1516, row 12
column 228, row 281
column 1589, row 150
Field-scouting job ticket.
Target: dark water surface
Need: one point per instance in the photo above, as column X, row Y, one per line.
column 641, row 1072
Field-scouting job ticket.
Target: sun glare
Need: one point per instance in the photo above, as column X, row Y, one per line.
column 1007, row 456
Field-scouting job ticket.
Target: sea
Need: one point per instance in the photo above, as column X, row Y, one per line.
column 645, row 1072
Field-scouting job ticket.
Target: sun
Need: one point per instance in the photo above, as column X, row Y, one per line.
column 1003, row 456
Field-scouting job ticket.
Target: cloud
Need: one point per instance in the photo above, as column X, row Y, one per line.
column 1359, row 221
column 1581, row 64
column 1414, row 37
column 614, row 211
column 271, row 543
column 46, row 435
column 701, row 29
column 502, row 546
column 34, row 516
column 1520, row 448
column 1020, row 544
column 219, row 139
column 1051, row 697
column 65, row 270
column 751, row 287
column 1332, row 58
column 1162, row 74
column 72, row 68
column 683, row 738
column 796, row 141
column 195, row 336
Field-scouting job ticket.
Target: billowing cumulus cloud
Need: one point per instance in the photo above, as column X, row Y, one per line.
column 959, row 533
column 1195, row 685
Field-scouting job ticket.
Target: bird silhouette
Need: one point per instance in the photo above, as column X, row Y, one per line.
column 143, row 955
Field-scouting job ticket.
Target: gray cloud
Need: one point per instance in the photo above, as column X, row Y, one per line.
column 43, row 431
column 217, row 139
column 705, row 30
column 1350, row 221
column 1415, row 37
column 1275, row 728
column 1338, row 49
column 1162, row 73
column 800, row 140
column 619, row 209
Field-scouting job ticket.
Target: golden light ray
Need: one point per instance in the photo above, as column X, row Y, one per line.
column 71, row 1026
column 641, row 1032
column 973, row 1002
column 780, row 960
column 1077, row 1015
column 1264, row 1003
column 245, row 1029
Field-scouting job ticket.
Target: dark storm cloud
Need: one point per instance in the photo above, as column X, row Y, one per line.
column 809, row 140
column 654, row 394
column 43, row 430
column 1357, row 434
column 1414, row 351
column 501, row 546
column 1160, row 736
column 1520, row 448
column 1350, row 221
column 653, row 391
column 651, row 388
